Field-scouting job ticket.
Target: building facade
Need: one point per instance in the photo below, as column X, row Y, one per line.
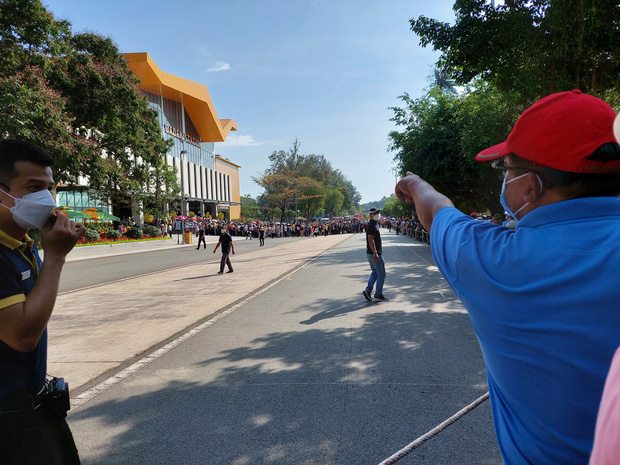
column 209, row 183
column 187, row 116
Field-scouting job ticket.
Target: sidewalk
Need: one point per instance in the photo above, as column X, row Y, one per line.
column 88, row 252
column 98, row 329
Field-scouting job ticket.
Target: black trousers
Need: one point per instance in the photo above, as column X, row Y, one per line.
column 203, row 241
column 225, row 261
column 36, row 437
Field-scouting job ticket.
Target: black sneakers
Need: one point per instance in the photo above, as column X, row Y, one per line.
column 229, row 271
column 367, row 295
column 380, row 297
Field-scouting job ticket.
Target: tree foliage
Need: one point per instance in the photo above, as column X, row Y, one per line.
column 395, row 208
column 441, row 133
column 249, row 208
column 506, row 57
column 74, row 96
column 306, row 183
column 535, row 47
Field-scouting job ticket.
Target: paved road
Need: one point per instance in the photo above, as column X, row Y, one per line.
column 94, row 265
column 300, row 370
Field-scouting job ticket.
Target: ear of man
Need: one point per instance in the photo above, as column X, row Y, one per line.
column 533, row 190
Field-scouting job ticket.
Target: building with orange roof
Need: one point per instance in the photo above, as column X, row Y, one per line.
column 209, row 183
column 188, row 117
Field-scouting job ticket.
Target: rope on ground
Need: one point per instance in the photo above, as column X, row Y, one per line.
column 436, row 430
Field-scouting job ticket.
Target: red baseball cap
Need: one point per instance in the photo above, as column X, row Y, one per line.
column 561, row 131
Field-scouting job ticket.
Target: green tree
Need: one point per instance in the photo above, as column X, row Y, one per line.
column 396, row 208
column 281, row 190
column 302, row 182
column 103, row 96
column 30, row 108
column 75, row 96
column 444, row 81
column 162, row 188
column 249, row 208
column 535, row 47
column 333, row 202
column 441, row 133
column 312, row 199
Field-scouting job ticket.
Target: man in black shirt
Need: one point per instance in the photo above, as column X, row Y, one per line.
column 375, row 257
column 227, row 246
column 31, row 429
column 201, row 237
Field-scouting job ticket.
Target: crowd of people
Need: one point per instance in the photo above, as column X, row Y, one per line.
column 254, row 229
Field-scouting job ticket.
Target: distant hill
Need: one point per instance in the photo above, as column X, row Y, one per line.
column 376, row 204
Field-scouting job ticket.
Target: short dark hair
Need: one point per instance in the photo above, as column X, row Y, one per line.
column 12, row 151
column 574, row 185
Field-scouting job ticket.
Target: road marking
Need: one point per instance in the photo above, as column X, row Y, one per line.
column 431, row 266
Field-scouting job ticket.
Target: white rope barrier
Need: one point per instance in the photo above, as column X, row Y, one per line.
column 436, row 430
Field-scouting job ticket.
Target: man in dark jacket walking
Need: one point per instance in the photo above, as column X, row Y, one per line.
column 227, row 246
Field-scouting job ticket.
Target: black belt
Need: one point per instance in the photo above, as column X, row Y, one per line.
column 18, row 403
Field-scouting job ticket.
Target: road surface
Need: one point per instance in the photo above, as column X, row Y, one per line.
column 301, row 370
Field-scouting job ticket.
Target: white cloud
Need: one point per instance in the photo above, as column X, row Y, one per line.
column 219, row 66
column 240, row 140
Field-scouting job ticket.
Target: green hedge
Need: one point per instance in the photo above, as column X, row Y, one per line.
column 113, row 234
column 92, row 235
column 151, row 231
column 133, row 233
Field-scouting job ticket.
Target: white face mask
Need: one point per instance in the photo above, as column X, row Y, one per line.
column 377, row 217
column 32, row 210
column 502, row 198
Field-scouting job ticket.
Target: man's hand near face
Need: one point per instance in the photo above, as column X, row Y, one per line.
column 59, row 238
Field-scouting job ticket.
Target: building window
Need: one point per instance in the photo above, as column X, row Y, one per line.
column 81, row 200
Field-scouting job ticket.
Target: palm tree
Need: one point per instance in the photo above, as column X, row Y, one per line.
column 443, row 81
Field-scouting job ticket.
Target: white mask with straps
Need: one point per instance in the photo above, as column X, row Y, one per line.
column 502, row 198
column 32, row 210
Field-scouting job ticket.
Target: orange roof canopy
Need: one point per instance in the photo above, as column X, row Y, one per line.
column 194, row 96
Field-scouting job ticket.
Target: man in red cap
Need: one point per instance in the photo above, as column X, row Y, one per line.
column 549, row 343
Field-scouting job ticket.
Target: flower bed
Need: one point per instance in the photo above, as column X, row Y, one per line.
column 103, row 240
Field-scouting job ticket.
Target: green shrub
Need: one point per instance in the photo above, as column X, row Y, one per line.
column 113, row 234
column 35, row 235
column 151, row 231
column 91, row 235
column 133, row 233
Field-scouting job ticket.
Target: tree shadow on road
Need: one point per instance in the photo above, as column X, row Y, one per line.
column 328, row 390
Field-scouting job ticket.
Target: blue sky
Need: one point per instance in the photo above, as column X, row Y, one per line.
column 324, row 72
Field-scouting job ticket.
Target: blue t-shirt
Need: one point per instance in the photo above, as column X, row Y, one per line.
column 544, row 301
column 20, row 372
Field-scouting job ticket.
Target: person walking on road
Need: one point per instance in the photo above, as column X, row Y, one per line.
column 227, row 247
column 33, row 428
column 201, row 238
column 542, row 299
column 374, row 253
column 261, row 236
